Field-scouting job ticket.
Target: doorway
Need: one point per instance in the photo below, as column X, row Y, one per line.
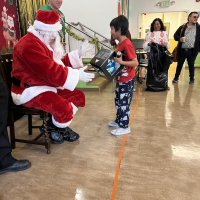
column 171, row 20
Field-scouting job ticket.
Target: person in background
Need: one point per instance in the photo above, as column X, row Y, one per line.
column 125, row 81
column 188, row 37
column 7, row 162
column 157, row 34
column 55, row 5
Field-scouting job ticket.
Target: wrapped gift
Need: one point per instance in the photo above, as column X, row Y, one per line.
column 104, row 61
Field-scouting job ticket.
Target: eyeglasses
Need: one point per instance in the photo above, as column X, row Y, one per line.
column 196, row 17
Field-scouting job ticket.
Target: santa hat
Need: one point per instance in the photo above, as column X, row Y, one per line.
column 47, row 21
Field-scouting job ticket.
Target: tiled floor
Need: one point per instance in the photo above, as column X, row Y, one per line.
column 160, row 159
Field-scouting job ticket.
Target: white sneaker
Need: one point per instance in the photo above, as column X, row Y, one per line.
column 121, row 131
column 113, row 124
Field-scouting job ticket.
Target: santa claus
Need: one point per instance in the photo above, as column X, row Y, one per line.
column 45, row 79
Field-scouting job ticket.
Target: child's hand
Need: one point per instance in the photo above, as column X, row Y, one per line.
column 119, row 60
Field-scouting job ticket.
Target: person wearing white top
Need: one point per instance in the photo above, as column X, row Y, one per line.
column 157, row 34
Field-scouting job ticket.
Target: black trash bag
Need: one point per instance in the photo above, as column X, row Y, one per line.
column 157, row 71
column 166, row 60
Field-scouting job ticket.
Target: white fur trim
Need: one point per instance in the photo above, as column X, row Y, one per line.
column 75, row 109
column 72, row 79
column 32, row 30
column 64, row 125
column 60, row 125
column 30, row 93
column 47, row 27
column 75, row 60
column 59, row 61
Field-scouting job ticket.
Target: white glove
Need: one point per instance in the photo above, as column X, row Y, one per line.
column 86, row 46
column 84, row 76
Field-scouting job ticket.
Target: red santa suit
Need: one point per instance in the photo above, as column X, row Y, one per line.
column 40, row 75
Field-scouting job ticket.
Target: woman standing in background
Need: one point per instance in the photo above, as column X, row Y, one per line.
column 157, row 34
column 156, row 43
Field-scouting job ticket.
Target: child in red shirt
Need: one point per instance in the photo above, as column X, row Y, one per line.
column 125, row 80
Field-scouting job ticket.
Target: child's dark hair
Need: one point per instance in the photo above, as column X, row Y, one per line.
column 120, row 23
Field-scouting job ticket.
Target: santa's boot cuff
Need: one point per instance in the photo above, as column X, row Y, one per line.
column 60, row 125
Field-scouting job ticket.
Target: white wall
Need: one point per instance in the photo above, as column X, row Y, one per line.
column 145, row 6
column 95, row 14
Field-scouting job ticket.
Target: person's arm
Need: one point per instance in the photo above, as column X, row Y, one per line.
column 177, row 34
column 131, row 63
column 166, row 40
column 131, row 56
column 42, row 65
column 146, row 42
column 198, row 26
column 73, row 60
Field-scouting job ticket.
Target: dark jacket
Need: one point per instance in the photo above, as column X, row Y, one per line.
column 177, row 37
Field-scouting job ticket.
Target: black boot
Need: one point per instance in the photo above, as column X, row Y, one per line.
column 56, row 136
column 55, row 133
column 17, row 165
column 70, row 135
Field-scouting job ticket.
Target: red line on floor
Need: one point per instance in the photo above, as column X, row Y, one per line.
column 115, row 183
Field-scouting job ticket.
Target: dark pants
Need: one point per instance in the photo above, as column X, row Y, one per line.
column 190, row 55
column 6, row 158
column 124, row 94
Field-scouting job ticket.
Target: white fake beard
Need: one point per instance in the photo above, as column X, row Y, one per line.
column 55, row 45
column 57, row 48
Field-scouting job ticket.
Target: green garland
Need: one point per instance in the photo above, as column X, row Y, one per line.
column 93, row 40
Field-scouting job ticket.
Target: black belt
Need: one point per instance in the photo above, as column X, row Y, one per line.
column 17, row 83
column 187, row 49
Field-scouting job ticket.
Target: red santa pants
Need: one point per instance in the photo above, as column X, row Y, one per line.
column 58, row 104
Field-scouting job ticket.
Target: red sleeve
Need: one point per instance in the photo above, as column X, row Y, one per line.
column 130, row 51
column 66, row 61
column 41, row 63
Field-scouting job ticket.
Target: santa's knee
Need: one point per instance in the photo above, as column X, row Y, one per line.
column 80, row 99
